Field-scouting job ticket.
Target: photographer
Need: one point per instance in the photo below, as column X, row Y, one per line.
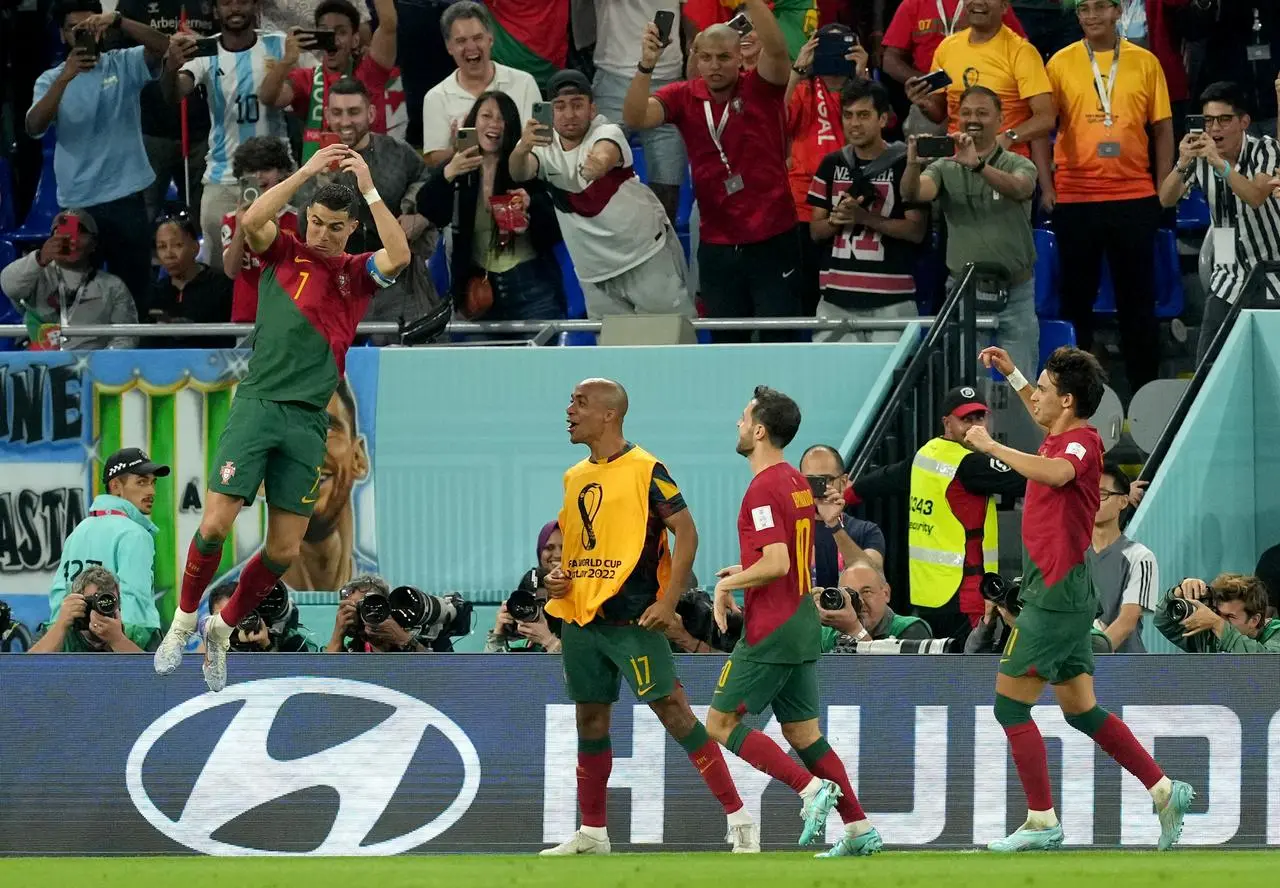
column 1228, row 616
column 89, row 620
column 1000, row 615
column 522, row 625
column 695, row 631
column 373, row 618
column 274, row 626
column 845, row 626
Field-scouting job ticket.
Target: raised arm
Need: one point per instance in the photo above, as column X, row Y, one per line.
column 259, row 219
column 999, row 359
column 395, row 256
column 382, row 46
column 774, row 65
column 640, row 110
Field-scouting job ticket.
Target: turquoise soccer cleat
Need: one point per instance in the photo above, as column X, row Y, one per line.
column 855, row 846
column 1024, row 839
column 1173, row 812
column 816, row 811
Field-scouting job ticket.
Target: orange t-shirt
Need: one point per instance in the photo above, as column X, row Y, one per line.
column 814, row 130
column 1006, row 64
column 1139, row 97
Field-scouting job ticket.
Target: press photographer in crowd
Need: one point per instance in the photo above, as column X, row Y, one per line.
column 1228, row 615
column 274, row 625
column 373, row 618
column 695, row 630
column 522, row 625
column 1001, row 616
column 858, row 610
column 89, row 620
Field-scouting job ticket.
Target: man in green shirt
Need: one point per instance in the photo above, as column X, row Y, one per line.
column 82, row 626
column 872, row 619
column 1229, row 617
column 985, row 195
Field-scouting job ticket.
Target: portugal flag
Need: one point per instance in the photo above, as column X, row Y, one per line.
column 531, row 35
column 798, row 18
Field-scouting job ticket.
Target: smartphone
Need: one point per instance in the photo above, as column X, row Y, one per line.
column 69, row 228
column 935, row 146
column 250, row 190
column 542, row 113
column 937, row 80
column 205, row 47
column 818, row 484
column 665, row 19
column 318, row 39
column 741, row 24
column 829, row 56
column 1195, row 123
column 466, row 139
column 86, row 41
column 327, row 139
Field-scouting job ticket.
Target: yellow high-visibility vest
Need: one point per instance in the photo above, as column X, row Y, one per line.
column 936, row 538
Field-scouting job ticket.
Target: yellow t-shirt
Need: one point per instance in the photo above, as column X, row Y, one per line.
column 1006, row 64
column 1140, row 97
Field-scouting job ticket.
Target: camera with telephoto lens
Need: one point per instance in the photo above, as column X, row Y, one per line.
column 832, row 598
column 105, row 603
column 1000, row 593
column 697, row 613
column 523, row 604
column 273, row 612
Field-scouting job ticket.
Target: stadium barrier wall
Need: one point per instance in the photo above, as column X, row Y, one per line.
column 472, row 447
column 466, row 753
column 1215, row 504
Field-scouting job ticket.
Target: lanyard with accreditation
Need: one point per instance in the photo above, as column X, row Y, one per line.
column 949, row 27
column 733, row 181
column 1106, row 91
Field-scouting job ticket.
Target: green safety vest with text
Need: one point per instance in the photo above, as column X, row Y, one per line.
column 936, row 538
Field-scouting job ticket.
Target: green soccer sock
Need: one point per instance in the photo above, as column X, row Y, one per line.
column 737, row 737
column 1010, row 712
column 695, row 739
column 814, row 752
column 1088, row 722
column 206, row 547
column 594, row 747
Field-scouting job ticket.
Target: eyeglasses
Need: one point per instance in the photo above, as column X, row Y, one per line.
column 1107, row 494
column 1221, row 120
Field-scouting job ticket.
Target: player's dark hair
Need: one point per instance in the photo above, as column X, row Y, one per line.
column 857, row 90
column 349, row 86
column 1227, row 93
column 1077, row 373
column 60, row 9
column 779, row 415
column 337, row 197
column 980, row 91
column 260, row 154
column 348, row 399
column 814, row 448
column 1120, row 478
column 221, row 592
column 338, row 7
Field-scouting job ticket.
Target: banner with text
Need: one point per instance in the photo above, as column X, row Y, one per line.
column 352, row 755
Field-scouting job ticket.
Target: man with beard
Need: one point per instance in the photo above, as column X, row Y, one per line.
column 232, row 80
column 306, row 91
column 327, row 558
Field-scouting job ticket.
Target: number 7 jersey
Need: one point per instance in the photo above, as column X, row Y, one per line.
column 781, row 619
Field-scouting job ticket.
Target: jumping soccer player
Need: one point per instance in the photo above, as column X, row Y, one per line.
column 311, row 296
column 1051, row 641
column 616, row 590
column 774, row 663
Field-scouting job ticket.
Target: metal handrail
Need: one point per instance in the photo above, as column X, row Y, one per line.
column 539, row 328
column 1254, row 285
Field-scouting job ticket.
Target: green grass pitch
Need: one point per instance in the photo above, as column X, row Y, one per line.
column 1124, row 869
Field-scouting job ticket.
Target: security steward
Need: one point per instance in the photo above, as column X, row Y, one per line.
column 952, row 534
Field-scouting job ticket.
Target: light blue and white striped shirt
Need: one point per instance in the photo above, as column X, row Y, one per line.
column 232, row 81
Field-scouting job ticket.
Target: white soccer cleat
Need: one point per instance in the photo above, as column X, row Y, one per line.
column 745, row 838
column 215, row 661
column 579, row 843
column 168, row 656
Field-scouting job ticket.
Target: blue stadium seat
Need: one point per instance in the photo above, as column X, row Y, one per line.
column 438, row 267
column 8, row 314
column 171, row 196
column 44, row 207
column 1193, row 213
column 7, row 203
column 1047, row 273
column 575, row 302
column 1166, row 273
column 685, row 207
column 638, row 161
column 1054, row 334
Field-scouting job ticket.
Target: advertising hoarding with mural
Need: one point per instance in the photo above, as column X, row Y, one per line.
column 63, row 413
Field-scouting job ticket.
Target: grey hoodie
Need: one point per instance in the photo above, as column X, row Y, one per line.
column 105, row 300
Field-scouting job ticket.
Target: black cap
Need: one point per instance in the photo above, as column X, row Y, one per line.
column 962, row 401
column 131, row 461
column 569, row 83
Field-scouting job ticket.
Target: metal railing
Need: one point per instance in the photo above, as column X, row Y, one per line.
column 947, row 357
column 1251, row 295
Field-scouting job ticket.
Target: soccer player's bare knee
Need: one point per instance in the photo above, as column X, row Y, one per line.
column 675, row 715
column 219, row 515
column 802, row 735
column 1023, row 688
column 285, row 531
column 721, row 724
column 1076, row 695
column 593, row 720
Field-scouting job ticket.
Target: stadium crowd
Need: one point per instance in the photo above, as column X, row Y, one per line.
column 596, row 158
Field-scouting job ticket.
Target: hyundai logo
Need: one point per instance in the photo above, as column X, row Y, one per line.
column 240, row 775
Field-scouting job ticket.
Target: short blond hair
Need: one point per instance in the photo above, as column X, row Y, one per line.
column 716, row 33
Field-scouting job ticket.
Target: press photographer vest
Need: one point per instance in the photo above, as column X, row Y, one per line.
column 605, row 520
column 936, row 539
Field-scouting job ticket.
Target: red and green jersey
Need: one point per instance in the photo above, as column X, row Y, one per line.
column 781, row 620
column 1057, row 526
column 531, row 37
column 308, row 309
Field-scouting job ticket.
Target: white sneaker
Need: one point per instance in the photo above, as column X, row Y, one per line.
column 745, row 838
column 168, row 656
column 578, row 843
column 215, row 661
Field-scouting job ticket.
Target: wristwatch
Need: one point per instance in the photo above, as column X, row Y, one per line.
column 803, row 72
column 642, row 69
column 982, row 164
column 1011, row 135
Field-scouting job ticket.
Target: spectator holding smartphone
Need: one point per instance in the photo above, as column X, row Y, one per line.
column 732, row 124
column 260, row 163
column 305, row 91
column 92, row 100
